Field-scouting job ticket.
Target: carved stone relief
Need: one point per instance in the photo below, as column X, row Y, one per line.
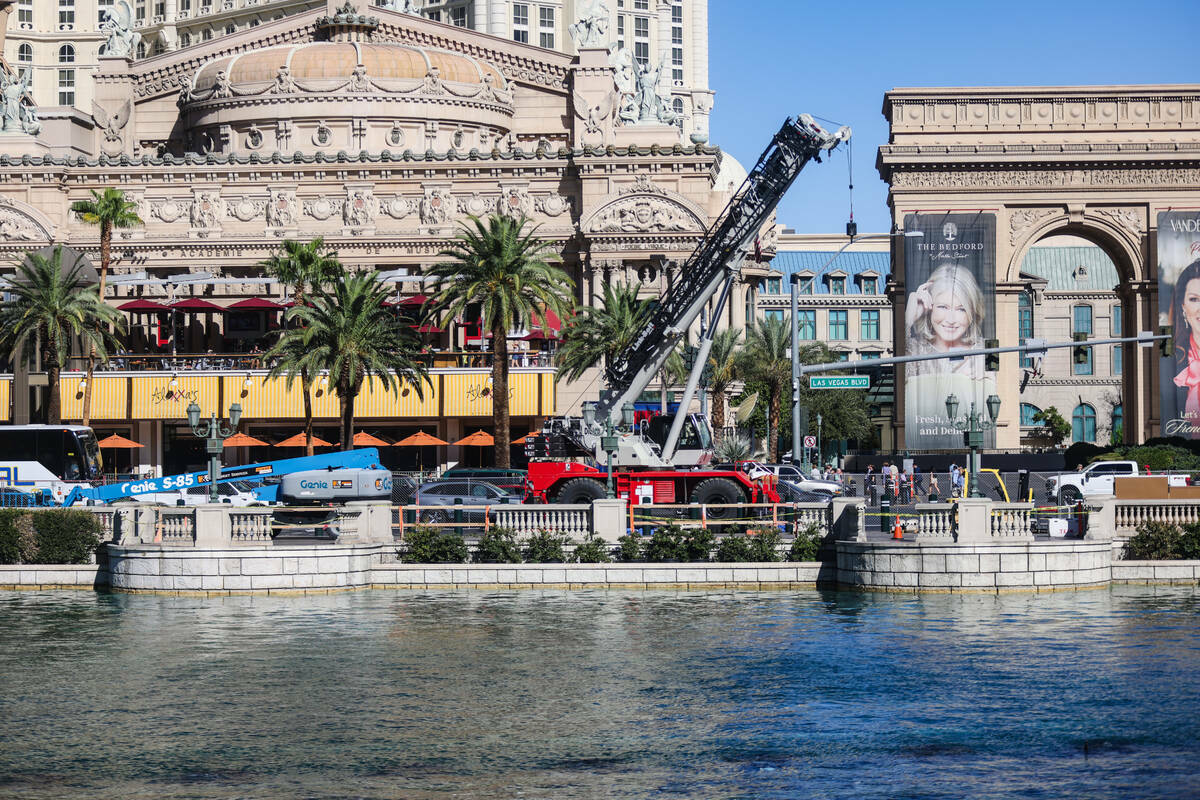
column 515, row 202
column 15, row 226
column 1023, row 219
column 360, row 208
column 397, row 207
column 245, row 209
column 205, row 206
column 476, row 205
column 322, row 208
column 169, row 210
column 553, row 205
column 112, row 126
column 281, row 208
column 1128, row 218
column 1081, row 178
column 436, row 206
column 643, row 214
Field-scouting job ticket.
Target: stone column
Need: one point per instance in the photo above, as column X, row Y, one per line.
column 699, row 12
column 498, row 19
column 592, row 80
column 664, row 34
column 479, row 15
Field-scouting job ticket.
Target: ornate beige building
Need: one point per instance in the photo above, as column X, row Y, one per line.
column 1097, row 163
column 379, row 131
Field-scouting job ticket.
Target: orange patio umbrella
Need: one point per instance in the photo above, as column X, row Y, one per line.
column 242, row 440
column 298, row 441
column 420, row 439
column 364, row 439
column 477, row 439
column 523, row 439
column 119, row 443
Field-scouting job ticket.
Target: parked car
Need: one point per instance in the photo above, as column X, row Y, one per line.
column 793, row 492
column 510, row 480
column 790, row 472
column 1098, row 479
column 233, row 493
column 437, row 499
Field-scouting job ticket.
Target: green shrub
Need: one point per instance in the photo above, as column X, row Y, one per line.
column 697, row 544
column 545, row 547
column 592, row 550
column 735, row 547
column 764, row 544
column 66, row 536
column 1154, row 541
column 10, row 536
column 629, row 548
column 806, row 545
column 1189, row 542
column 498, row 546
column 427, row 545
column 665, row 545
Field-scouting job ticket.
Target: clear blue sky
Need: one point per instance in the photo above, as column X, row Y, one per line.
column 770, row 59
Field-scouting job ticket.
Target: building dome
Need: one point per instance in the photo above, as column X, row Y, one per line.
column 330, row 66
column 345, row 92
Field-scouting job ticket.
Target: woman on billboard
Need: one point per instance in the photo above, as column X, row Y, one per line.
column 1185, row 317
column 946, row 313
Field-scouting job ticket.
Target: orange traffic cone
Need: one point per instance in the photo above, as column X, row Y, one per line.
column 897, row 533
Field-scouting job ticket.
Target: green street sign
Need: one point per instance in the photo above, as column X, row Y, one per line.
column 839, row 381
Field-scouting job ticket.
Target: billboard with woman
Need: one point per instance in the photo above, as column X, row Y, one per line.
column 1179, row 307
column 950, row 304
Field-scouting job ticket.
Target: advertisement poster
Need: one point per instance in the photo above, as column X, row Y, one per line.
column 1179, row 307
column 950, row 304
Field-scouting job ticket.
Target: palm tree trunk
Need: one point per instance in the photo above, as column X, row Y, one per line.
column 53, row 407
column 347, row 434
column 105, row 259
column 773, row 427
column 500, row 393
column 306, row 387
column 718, row 413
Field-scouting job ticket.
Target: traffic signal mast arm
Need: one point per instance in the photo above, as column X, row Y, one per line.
column 715, row 262
column 1144, row 338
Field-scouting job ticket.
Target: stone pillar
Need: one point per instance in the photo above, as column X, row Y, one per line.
column 479, row 15
column 664, row 35
column 374, row 521
column 609, row 518
column 212, row 525
column 699, row 12
column 113, row 89
column 1008, row 379
column 847, row 519
column 498, row 19
column 1102, row 523
column 974, row 520
column 592, row 80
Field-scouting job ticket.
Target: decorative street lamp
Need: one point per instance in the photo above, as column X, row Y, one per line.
column 610, row 441
column 973, row 427
column 215, row 432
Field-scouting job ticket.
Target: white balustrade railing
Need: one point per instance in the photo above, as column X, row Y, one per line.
column 935, row 521
column 1129, row 514
column 250, row 524
column 574, row 521
column 1012, row 520
column 106, row 516
column 176, row 526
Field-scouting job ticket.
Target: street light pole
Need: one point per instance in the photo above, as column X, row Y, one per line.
column 973, row 427
column 215, row 433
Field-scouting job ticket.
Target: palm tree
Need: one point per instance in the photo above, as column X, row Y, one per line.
column 349, row 331
column 108, row 209
column 724, row 361
column 303, row 266
column 766, row 360
column 47, row 311
column 598, row 334
column 505, row 269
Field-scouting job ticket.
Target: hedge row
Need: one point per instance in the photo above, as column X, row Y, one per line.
column 672, row 543
column 1162, row 541
column 51, row 536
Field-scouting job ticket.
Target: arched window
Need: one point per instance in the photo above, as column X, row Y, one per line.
column 66, row 54
column 1083, row 424
column 24, row 54
column 1118, row 423
column 230, row 28
column 254, row 23
column 206, row 34
column 141, row 50
column 677, row 105
column 1027, row 412
column 185, row 40
column 159, row 47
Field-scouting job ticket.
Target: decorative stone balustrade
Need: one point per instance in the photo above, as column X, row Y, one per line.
column 935, row 521
column 176, row 526
column 1011, row 521
column 250, row 525
column 574, row 521
column 1129, row 514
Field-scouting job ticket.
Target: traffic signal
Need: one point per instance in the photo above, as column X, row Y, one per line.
column 1166, row 346
column 991, row 361
column 1080, row 351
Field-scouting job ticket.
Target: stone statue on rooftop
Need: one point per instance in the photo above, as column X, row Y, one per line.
column 15, row 115
column 592, row 27
column 118, row 25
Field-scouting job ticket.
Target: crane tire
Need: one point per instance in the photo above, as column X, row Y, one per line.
column 580, row 490
column 718, row 491
column 1069, row 496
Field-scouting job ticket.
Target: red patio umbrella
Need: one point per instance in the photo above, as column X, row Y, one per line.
column 416, row 300
column 194, row 305
column 427, row 329
column 255, row 304
column 142, row 307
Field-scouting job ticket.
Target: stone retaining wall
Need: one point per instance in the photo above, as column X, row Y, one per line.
column 974, row 567
column 52, row 576
column 1182, row 573
column 770, row 575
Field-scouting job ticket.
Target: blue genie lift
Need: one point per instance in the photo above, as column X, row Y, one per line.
column 366, row 458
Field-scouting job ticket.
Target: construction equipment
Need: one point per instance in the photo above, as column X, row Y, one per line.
column 648, row 468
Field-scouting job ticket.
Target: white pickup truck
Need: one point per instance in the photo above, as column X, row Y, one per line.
column 1097, row 479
